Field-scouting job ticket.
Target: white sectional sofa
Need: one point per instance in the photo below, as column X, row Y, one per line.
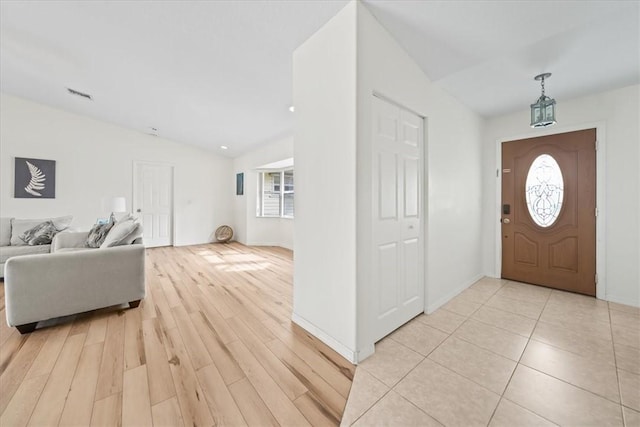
column 9, row 234
column 72, row 279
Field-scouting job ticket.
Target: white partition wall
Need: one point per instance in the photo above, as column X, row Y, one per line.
column 336, row 73
column 324, row 95
column 451, row 184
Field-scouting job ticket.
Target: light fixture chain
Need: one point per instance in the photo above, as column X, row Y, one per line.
column 542, row 84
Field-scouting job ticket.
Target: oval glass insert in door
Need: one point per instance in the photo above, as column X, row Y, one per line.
column 544, row 190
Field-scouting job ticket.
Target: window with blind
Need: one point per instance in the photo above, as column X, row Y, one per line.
column 275, row 198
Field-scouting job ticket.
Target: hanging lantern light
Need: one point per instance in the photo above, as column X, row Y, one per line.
column 543, row 112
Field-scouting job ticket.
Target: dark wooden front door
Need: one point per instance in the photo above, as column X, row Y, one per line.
column 549, row 211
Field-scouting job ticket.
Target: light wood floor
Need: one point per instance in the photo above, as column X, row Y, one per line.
column 212, row 344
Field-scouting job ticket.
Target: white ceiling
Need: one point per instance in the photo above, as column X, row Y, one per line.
column 486, row 53
column 219, row 73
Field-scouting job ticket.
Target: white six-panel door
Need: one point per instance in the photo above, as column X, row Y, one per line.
column 397, row 226
column 153, row 202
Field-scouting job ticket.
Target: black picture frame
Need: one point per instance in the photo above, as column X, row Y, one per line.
column 34, row 178
column 240, row 184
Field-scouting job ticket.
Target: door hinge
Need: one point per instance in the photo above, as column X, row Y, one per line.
column 596, row 212
column 498, row 173
column 596, row 278
column 597, row 145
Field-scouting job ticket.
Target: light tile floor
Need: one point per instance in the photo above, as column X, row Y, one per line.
column 505, row 354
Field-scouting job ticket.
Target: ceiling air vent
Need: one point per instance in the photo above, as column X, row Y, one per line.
column 78, row 93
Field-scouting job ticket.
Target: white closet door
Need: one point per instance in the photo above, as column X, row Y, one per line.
column 397, row 226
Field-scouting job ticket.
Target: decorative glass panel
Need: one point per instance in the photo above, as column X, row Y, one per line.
column 544, row 190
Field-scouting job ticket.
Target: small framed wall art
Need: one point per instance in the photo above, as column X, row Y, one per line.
column 240, row 184
column 34, row 179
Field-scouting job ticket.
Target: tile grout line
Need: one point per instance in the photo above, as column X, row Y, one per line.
column 389, row 388
column 615, row 361
column 458, row 327
column 565, row 381
column 369, row 407
column 412, row 369
column 531, row 338
column 423, row 359
column 499, row 327
column 576, row 354
column 518, row 364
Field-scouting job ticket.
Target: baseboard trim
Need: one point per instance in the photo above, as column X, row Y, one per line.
column 364, row 353
column 445, row 299
column 340, row 348
column 182, row 244
column 262, row 244
column 608, row 297
column 280, row 245
column 621, row 300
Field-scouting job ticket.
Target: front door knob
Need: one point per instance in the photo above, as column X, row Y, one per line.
column 506, row 221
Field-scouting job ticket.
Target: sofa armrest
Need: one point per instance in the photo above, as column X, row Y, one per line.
column 69, row 239
column 40, row 287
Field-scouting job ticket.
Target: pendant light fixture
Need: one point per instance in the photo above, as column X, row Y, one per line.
column 543, row 112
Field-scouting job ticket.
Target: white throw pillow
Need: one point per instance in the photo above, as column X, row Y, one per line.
column 135, row 234
column 5, row 231
column 119, row 233
column 19, row 226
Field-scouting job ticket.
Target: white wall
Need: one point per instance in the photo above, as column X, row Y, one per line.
column 334, row 80
column 616, row 114
column 452, row 189
column 94, row 160
column 250, row 229
column 324, row 94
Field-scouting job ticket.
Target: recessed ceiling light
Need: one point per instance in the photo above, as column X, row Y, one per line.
column 224, row 147
column 78, row 93
column 292, row 108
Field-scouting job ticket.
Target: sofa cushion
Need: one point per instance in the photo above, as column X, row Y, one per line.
column 19, row 226
column 7, row 252
column 5, row 231
column 120, row 233
column 41, row 234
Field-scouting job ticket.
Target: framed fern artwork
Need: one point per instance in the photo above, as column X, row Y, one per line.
column 34, row 179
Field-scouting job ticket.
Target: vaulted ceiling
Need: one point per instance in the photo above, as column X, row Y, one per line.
column 219, row 73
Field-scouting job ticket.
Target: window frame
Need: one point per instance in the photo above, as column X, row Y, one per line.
column 284, row 192
column 281, row 191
